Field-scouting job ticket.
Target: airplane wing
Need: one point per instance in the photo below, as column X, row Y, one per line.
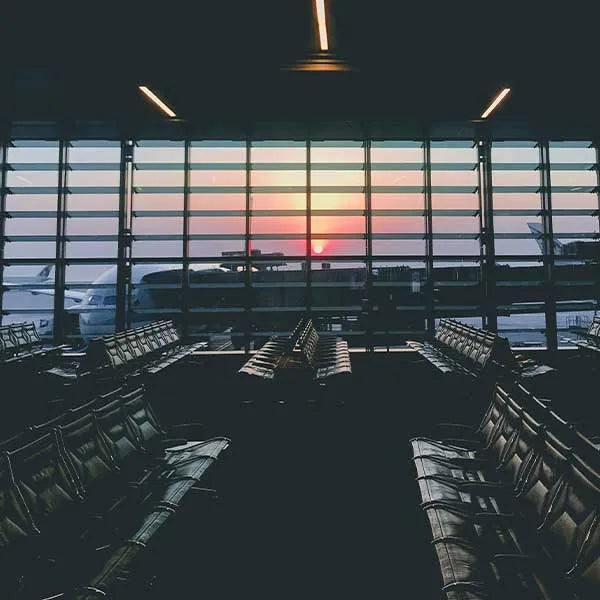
column 75, row 295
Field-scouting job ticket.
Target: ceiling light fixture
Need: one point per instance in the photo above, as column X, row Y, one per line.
column 501, row 95
column 150, row 94
column 322, row 22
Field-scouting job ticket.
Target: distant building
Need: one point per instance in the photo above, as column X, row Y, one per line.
column 262, row 265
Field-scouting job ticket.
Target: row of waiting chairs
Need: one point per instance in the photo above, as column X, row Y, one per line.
column 461, row 349
column 303, row 352
column 86, row 501
column 326, row 356
column 21, row 341
column 263, row 363
column 148, row 349
column 515, row 512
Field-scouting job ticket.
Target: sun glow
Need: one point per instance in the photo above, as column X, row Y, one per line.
column 318, row 247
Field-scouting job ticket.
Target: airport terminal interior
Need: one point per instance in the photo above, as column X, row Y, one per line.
column 299, row 299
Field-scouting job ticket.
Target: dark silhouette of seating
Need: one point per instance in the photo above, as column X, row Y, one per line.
column 515, row 510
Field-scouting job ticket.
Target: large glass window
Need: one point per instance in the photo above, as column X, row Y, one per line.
column 573, row 178
column 350, row 230
column 519, row 242
column 31, row 203
column 397, row 303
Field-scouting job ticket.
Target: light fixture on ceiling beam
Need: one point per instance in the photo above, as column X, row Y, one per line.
column 322, row 25
column 495, row 102
column 152, row 96
column 323, row 56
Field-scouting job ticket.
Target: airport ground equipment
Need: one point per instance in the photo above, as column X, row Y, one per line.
column 304, row 353
column 87, row 501
column 591, row 343
column 515, row 511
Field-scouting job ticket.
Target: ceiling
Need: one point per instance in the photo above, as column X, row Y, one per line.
column 220, row 62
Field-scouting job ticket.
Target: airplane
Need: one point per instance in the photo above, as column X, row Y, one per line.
column 577, row 252
column 95, row 308
column 45, row 276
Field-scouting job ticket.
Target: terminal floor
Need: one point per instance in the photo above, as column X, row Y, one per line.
column 318, row 501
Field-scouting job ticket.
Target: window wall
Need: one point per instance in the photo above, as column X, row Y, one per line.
column 519, row 241
column 236, row 239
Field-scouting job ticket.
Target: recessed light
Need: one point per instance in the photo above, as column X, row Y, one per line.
column 495, row 102
column 152, row 96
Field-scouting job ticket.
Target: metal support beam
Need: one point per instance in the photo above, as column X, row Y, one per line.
column 596, row 287
column 61, row 226
column 248, row 252
column 487, row 246
column 185, row 250
column 429, row 270
column 3, row 171
column 369, row 248
column 548, row 235
column 308, row 232
column 124, row 238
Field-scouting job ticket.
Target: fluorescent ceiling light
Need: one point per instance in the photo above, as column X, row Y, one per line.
column 501, row 95
column 322, row 21
column 150, row 94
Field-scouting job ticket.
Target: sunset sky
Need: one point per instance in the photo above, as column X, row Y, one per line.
column 278, row 179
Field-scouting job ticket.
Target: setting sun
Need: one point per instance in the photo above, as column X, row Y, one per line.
column 317, row 248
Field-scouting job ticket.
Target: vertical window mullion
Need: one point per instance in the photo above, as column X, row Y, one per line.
column 308, row 266
column 369, row 231
column 3, row 163
column 429, row 300
column 124, row 237
column 487, row 246
column 61, row 213
column 597, row 266
column 248, row 253
column 185, row 271
column 550, row 302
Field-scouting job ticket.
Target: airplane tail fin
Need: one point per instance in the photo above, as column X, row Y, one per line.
column 45, row 273
column 538, row 234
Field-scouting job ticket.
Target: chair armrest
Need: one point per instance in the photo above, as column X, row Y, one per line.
column 458, row 426
column 180, row 428
column 486, row 488
column 168, row 442
column 492, row 516
column 514, row 558
column 467, row 444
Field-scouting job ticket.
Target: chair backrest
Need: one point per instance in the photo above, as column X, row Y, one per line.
column 8, row 343
column 118, row 432
column 44, row 479
column 90, row 458
column 32, row 333
column 546, row 476
column 20, row 337
column 573, row 514
column 113, row 352
column 95, row 356
column 145, row 424
column 143, row 340
column 16, row 523
column 125, row 348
